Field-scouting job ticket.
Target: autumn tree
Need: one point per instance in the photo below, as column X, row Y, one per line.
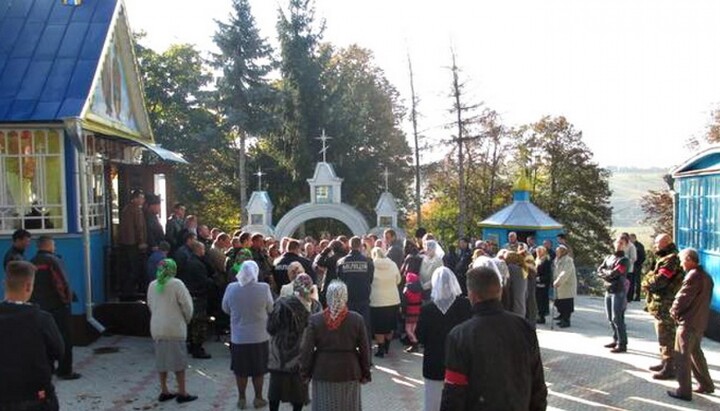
column 658, row 208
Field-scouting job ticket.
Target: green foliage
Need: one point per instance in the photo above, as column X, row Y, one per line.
column 183, row 118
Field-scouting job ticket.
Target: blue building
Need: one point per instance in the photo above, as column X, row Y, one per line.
column 522, row 217
column 697, row 217
column 73, row 132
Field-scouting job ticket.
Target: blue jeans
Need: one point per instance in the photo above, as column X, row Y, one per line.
column 615, row 310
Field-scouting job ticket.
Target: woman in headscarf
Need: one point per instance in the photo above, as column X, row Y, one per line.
column 543, row 265
column 446, row 309
column 432, row 259
column 171, row 309
column 384, row 300
column 335, row 354
column 286, row 326
column 248, row 302
column 288, row 290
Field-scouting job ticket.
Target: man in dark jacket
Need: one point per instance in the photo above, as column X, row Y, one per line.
column 637, row 270
column 691, row 310
column 29, row 345
column 174, row 226
column 491, row 349
column 357, row 272
column 155, row 232
column 463, row 263
column 292, row 255
column 20, row 243
column 394, row 246
column 198, row 282
column 613, row 272
column 260, row 256
column 327, row 260
column 132, row 237
column 52, row 294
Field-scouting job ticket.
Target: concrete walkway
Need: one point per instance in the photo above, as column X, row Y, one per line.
column 580, row 373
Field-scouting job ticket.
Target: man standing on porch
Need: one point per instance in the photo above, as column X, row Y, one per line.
column 133, row 242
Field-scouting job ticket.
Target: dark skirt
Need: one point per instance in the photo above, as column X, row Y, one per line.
column 287, row 387
column 384, row 319
column 565, row 306
column 249, row 360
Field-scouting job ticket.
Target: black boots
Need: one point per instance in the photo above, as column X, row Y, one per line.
column 657, row 367
column 383, row 349
column 667, row 372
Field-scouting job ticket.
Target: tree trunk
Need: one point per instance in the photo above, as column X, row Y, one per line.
column 243, row 180
column 413, row 113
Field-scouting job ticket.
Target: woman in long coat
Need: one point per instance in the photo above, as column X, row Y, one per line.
column 286, row 325
column 544, row 282
column 446, row 309
column 335, row 354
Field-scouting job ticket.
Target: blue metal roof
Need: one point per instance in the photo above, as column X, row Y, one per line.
column 49, row 54
column 521, row 214
column 706, row 161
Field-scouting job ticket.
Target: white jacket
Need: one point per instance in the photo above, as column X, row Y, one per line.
column 171, row 310
column 384, row 291
column 564, row 278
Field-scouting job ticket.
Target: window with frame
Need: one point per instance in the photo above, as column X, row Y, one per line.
column 323, row 194
column 32, row 180
column 257, row 219
column 698, row 208
column 95, row 183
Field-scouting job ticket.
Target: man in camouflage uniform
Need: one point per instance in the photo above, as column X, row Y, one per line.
column 661, row 284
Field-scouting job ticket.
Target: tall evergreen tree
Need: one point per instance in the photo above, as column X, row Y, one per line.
column 245, row 95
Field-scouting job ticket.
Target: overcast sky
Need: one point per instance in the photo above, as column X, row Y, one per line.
column 638, row 77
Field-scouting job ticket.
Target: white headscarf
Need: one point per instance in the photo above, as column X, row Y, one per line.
column 432, row 245
column 445, row 288
column 496, row 264
column 248, row 273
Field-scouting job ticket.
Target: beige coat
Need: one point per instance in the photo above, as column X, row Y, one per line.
column 564, row 278
column 384, row 291
column 170, row 311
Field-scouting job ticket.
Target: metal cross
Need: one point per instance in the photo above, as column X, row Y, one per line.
column 386, row 174
column 260, row 175
column 325, row 147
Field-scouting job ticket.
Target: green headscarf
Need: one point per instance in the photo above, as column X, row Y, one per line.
column 166, row 270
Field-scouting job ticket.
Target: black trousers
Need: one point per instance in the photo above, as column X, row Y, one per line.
column 50, row 403
column 634, row 290
column 132, row 279
column 62, row 318
column 565, row 307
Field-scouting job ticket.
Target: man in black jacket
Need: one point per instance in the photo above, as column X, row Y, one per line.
column 29, row 345
column 463, row 262
column 20, row 242
column 394, row 247
column 293, row 254
column 197, row 280
column 634, row 294
column 491, row 349
column 357, row 272
column 155, row 232
column 52, row 294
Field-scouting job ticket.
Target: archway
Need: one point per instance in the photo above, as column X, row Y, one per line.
column 308, row 211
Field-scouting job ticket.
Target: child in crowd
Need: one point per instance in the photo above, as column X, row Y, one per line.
column 413, row 302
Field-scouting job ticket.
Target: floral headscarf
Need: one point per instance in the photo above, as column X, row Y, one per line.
column 445, row 288
column 336, row 311
column 248, row 273
column 302, row 286
column 167, row 268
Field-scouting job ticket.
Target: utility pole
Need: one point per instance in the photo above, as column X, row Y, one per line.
column 413, row 116
column 242, row 177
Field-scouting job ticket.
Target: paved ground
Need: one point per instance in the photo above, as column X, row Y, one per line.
column 581, row 375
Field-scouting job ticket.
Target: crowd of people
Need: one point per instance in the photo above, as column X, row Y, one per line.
column 310, row 312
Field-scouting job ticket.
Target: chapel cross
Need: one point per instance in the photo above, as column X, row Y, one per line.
column 386, row 174
column 325, row 147
column 260, row 175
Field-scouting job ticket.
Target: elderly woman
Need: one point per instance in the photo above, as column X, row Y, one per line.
column 286, row 326
column 431, row 261
column 565, row 283
column 384, row 300
column 335, row 354
column 248, row 303
column 446, row 310
column 288, row 290
column 171, row 309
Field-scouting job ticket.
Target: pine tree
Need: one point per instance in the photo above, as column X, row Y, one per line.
column 245, row 95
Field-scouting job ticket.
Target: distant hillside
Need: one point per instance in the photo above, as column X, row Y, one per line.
column 628, row 185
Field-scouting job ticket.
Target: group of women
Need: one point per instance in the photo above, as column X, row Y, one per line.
column 297, row 341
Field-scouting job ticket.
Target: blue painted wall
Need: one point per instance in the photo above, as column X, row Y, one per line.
column 698, row 223
column 70, row 247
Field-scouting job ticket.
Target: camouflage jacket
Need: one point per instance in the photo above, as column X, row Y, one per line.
column 664, row 281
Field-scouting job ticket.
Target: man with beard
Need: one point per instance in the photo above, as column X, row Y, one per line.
column 661, row 285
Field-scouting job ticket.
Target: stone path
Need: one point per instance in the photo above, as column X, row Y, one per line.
column 581, row 375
